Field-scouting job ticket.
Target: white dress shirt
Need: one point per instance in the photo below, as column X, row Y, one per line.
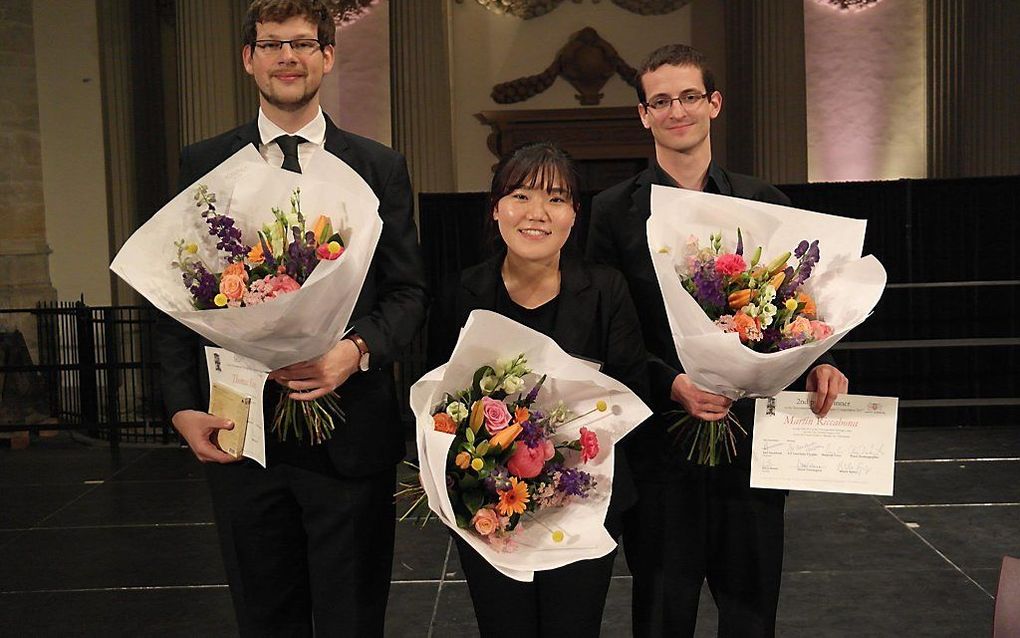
column 314, row 132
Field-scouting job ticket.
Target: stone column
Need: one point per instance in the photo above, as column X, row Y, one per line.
column 420, row 80
column 216, row 94
column 24, row 253
column 973, row 88
column 765, row 93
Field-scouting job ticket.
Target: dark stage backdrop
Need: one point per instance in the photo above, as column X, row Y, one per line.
column 944, row 337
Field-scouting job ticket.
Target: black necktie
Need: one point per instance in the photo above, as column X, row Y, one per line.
column 288, row 144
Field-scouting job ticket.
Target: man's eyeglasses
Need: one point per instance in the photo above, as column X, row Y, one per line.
column 302, row 46
column 662, row 103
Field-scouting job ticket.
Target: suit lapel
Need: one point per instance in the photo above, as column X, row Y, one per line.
column 578, row 306
column 336, row 142
column 247, row 134
column 641, row 197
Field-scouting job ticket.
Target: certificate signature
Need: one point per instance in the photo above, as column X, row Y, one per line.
column 852, row 450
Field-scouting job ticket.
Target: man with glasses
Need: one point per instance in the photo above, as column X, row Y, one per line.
column 308, row 542
column 692, row 522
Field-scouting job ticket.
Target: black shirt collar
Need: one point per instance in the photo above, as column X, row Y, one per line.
column 717, row 181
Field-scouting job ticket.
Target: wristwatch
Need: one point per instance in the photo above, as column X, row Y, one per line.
column 362, row 348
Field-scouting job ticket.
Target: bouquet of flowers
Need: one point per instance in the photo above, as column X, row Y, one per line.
column 255, row 273
column 242, row 250
column 525, row 482
column 747, row 328
column 505, row 462
column 764, row 304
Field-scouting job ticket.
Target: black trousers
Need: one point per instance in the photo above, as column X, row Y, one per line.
column 694, row 523
column 306, row 550
column 567, row 601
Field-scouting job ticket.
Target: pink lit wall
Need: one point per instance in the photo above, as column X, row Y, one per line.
column 865, row 75
column 356, row 94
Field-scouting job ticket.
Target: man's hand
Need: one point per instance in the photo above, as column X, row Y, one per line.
column 827, row 383
column 319, row 376
column 199, row 430
column 698, row 403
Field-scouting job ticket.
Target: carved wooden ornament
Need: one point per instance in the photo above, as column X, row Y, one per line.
column 586, row 61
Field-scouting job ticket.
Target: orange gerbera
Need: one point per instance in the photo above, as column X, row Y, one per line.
column 514, row 500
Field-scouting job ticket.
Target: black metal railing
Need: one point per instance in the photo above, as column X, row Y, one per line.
column 89, row 369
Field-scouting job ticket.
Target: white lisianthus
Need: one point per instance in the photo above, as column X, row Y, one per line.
column 513, row 384
column 768, row 311
column 457, row 411
column 488, row 384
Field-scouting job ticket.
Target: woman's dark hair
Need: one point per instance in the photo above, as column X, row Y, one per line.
column 540, row 165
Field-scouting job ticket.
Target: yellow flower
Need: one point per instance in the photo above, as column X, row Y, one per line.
column 220, row 300
column 601, row 406
column 514, row 500
column 791, row 304
column 477, row 464
column 191, row 248
column 557, row 536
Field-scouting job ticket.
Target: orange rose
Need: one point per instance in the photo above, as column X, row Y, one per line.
column 485, row 521
column 232, row 286
column 443, row 422
column 746, row 327
column 236, row 269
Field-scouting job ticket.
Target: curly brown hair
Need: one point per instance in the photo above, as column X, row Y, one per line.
column 314, row 11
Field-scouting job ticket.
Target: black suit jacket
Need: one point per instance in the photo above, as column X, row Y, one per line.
column 617, row 237
column 595, row 320
column 387, row 314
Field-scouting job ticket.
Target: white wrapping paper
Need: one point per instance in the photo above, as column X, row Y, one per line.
column 293, row 327
column 486, row 337
column 844, row 285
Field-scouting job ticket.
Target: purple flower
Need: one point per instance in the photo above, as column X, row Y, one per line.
column 573, row 482
column 229, row 235
column 498, row 479
column 532, row 433
column 708, row 290
column 202, row 285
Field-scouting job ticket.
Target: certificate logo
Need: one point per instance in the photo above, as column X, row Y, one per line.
column 216, row 361
column 873, row 407
column 770, row 406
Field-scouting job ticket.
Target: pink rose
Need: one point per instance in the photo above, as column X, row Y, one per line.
column 820, row 330
column 283, row 283
column 729, row 264
column 589, row 445
column 486, row 521
column 496, row 415
column 527, row 462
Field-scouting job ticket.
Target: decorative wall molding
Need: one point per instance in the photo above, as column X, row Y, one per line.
column 528, row 9
column 586, row 61
column 849, row 5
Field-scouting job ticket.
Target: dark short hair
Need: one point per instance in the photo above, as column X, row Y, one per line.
column 674, row 55
column 533, row 165
column 314, row 11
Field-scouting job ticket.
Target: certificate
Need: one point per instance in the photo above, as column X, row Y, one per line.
column 244, row 377
column 850, row 451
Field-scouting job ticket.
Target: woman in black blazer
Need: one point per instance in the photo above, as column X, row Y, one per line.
column 587, row 310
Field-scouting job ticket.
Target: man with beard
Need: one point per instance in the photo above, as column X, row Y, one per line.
column 692, row 522
column 308, row 542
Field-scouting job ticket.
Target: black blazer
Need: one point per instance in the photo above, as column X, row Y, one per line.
column 617, row 237
column 387, row 315
column 595, row 320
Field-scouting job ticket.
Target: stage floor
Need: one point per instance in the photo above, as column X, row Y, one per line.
column 93, row 543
